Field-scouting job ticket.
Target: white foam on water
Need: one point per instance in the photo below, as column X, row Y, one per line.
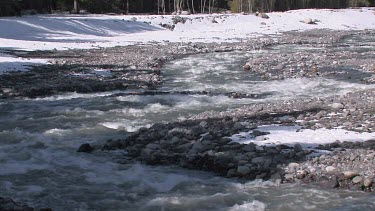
column 202, row 202
column 81, row 111
column 254, row 206
column 222, row 72
column 172, row 107
column 17, row 167
column 150, row 108
column 75, row 95
column 127, row 125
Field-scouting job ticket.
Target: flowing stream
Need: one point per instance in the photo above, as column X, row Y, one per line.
column 39, row 164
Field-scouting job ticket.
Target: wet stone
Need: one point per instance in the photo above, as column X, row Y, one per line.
column 243, row 170
column 249, row 147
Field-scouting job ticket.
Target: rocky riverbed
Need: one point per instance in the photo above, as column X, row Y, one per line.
column 138, row 67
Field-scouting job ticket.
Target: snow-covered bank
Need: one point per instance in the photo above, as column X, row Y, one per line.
column 48, row 32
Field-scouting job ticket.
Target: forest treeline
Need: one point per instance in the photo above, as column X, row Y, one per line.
column 15, row 7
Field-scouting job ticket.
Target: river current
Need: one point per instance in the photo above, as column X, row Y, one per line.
column 39, row 137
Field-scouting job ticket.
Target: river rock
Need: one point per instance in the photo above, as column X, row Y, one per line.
column 238, row 126
column 280, row 66
column 297, row 148
column 289, row 177
column 203, row 124
column 350, row 174
column 231, row 173
column 357, row 180
column 330, row 169
column 301, row 174
column 259, row 133
column 276, row 176
column 153, row 146
column 246, row 67
column 243, row 170
column 337, row 105
column 367, row 182
column 175, row 140
column 197, row 147
column 293, row 165
column 331, row 182
column 258, row 160
column 249, row 147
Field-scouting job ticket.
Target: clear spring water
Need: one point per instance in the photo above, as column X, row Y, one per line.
column 39, row 137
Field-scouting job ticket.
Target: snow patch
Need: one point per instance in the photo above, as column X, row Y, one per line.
column 290, row 135
column 10, row 63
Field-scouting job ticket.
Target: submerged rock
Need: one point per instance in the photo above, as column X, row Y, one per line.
column 86, row 148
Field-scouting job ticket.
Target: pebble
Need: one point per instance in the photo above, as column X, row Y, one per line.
column 330, row 169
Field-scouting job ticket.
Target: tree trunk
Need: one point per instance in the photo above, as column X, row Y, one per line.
column 158, row 5
column 192, row 6
column 209, row 6
column 76, row 6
